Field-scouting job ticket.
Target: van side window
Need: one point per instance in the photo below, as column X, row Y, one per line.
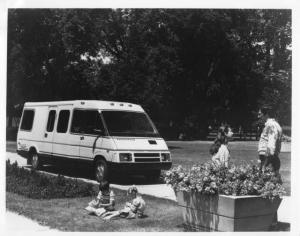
column 87, row 122
column 93, row 122
column 27, row 120
column 51, row 120
column 63, row 121
column 77, row 122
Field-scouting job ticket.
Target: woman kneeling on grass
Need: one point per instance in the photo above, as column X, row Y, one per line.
column 132, row 209
column 104, row 202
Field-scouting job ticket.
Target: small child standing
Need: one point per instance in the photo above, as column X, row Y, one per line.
column 104, row 202
column 132, row 209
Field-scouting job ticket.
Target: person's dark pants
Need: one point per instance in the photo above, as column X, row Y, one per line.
column 274, row 161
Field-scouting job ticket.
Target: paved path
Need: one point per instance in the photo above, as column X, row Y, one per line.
column 162, row 190
column 15, row 222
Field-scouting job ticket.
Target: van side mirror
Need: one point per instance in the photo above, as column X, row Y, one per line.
column 98, row 131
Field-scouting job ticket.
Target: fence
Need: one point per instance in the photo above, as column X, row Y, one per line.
column 251, row 134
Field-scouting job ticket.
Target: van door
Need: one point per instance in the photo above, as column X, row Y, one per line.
column 91, row 131
column 47, row 147
column 65, row 144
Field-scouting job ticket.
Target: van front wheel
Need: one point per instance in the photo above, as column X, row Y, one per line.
column 101, row 170
column 35, row 161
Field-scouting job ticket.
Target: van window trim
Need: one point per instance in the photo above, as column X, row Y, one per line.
column 106, row 134
column 27, row 109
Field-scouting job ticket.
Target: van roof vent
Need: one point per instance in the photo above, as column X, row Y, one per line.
column 130, row 105
column 112, row 104
column 121, row 104
column 82, row 103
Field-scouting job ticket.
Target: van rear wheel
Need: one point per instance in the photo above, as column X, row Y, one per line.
column 35, row 161
column 101, row 170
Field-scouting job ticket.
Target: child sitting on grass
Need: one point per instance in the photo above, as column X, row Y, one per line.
column 104, row 202
column 132, row 209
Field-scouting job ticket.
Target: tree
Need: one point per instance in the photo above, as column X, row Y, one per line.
column 186, row 67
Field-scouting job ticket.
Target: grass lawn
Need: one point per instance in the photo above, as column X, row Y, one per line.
column 68, row 214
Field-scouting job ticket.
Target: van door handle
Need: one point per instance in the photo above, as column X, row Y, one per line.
column 81, row 137
column 46, row 135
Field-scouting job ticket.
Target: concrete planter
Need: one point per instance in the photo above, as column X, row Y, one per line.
column 226, row 213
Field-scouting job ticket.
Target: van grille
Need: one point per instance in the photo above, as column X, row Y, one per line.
column 147, row 160
column 145, row 154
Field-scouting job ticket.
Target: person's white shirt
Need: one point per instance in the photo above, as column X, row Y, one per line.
column 222, row 156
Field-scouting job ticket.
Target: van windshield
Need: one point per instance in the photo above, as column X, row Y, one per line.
column 125, row 123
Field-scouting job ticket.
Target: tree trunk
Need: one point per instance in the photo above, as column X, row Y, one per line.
column 9, row 123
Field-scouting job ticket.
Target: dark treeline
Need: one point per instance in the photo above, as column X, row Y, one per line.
column 189, row 68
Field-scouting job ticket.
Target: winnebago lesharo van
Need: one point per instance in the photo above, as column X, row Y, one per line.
column 108, row 135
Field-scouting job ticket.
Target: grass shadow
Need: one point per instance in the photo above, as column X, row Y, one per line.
column 144, row 216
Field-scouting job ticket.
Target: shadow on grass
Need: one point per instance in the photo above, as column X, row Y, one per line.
column 87, row 173
column 144, row 216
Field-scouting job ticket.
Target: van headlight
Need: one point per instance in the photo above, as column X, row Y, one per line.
column 125, row 156
column 165, row 157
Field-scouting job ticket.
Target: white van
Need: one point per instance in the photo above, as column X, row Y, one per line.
column 109, row 135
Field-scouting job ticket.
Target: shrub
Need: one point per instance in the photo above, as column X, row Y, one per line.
column 209, row 178
column 37, row 185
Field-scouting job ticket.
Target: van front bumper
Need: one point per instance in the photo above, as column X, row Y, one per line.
column 139, row 167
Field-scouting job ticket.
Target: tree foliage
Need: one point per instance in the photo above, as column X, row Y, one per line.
column 187, row 67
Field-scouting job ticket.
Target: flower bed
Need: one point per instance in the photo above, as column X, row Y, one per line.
column 211, row 179
column 216, row 198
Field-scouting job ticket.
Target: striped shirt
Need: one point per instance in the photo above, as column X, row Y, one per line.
column 270, row 139
column 106, row 198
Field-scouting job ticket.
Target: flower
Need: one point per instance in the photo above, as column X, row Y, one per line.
column 186, row 179
column 181, row 175
column 205, row 179
column 213, row 185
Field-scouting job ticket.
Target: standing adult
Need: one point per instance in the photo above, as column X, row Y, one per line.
column 269, row 145
column 270, row 141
